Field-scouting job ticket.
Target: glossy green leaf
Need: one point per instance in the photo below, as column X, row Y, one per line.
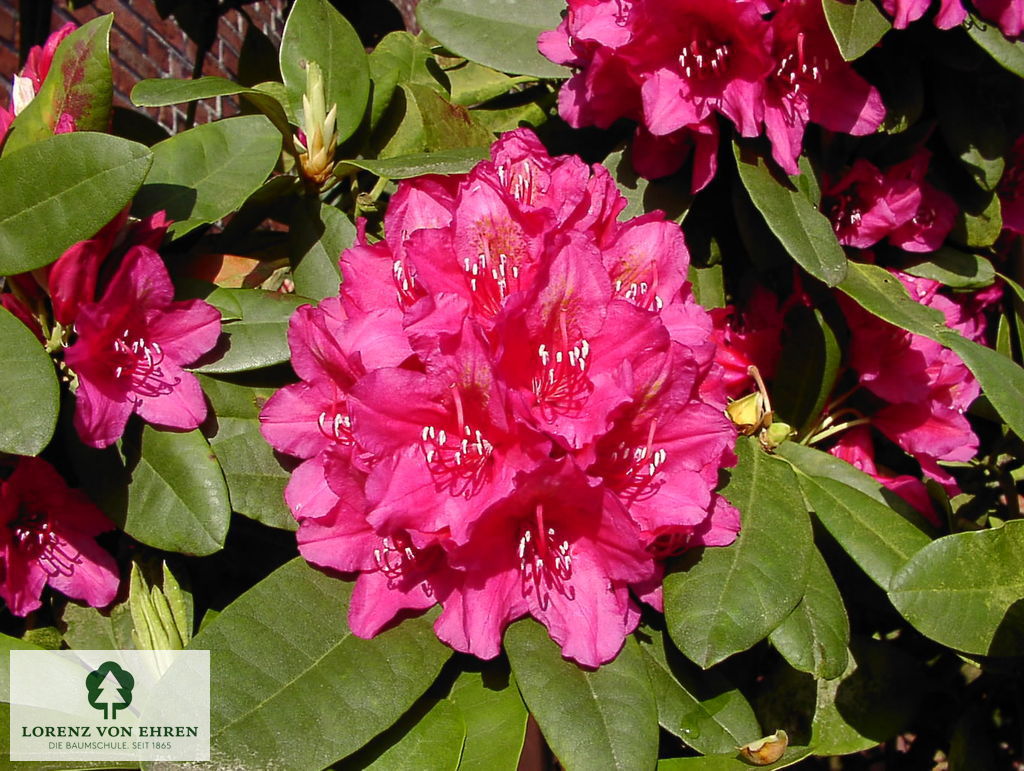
column 78, row 85
column 62, row 190
column 815, row 636
column 177, row 498
column 205, row 173
column 421, row 119
column 857, row 26
column 804, row 231
column 733, row 762
column 258, row 335
column 495, row 33
column 403, row 167
column 320, row 233
column 429, row 737
column 474, row 83
column 980, row 219
column 606, row 718
column 711, row 724
column 29, row 394
column 495, row 718
column 876, row 698
column 807, row 369
column 881, row 293
column 876, row 537
column 965, row 590
column 254, row 476
column 708, row 285
column 158, row 92
column 956, row 269
column 1009, row 53
column 283, row 651
column 816, row 463
column 722, row 600
column 315, row 31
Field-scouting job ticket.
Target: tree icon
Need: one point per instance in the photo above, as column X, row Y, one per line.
column 110, row 688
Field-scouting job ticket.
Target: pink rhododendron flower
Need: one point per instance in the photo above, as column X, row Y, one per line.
column 950, row 14
column 512, row 409
column 812, row 82
column 926, row 387
column 130, row 348
column 751, row 337
column 867, row 205
column 674, row 66
column 1008, row 14
column 50, row 540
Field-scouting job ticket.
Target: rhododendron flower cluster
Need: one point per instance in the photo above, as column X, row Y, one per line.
column 674, row 66
column 512, row 409
column 50, row 534
column 867, row 205
column 1007, row 14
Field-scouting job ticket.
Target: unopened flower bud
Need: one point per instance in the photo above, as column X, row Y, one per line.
column 749, row 413
column 318, row 139
column 774, row 435
column 766, row 750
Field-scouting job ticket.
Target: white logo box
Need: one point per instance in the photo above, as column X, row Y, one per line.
column 110, row 705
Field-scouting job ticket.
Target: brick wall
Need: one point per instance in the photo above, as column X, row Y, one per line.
column 145, row 46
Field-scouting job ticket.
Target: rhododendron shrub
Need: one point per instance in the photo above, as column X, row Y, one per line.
column 511, row 409
column 645, row 371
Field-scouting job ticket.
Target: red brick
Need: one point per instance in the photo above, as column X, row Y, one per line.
column 133, row 26
column 8, row 27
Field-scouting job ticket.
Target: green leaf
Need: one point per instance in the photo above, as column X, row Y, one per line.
column 734, row 762
column 474, row 83
column 1008, row 53
column 710, row 724
column 807, row 369
column 29, row 394
column 254, row 477
column 495, row 33
column 258, row 337
column 62, row 190
column 708, row 285
column 857, row 26
column 92, row 629
column 980, row 145
column 815, row 636
column 429, row 738
column 315, row 31
column 205, row 173
column 158, row 92
column 876, row 697
column 722, row 600
column 78, row 84
column 283, row 651
column 876, row 537
column 956, row 269
column 816, row 463
column 403, row 167
column 177, row 498
column 446, row 126
column 979, row 220
column 881, row 293
column 643, row 195
column 605, row 718
column 965, row 590
column 319, row 234
column 495, row 718
column 804, row 231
